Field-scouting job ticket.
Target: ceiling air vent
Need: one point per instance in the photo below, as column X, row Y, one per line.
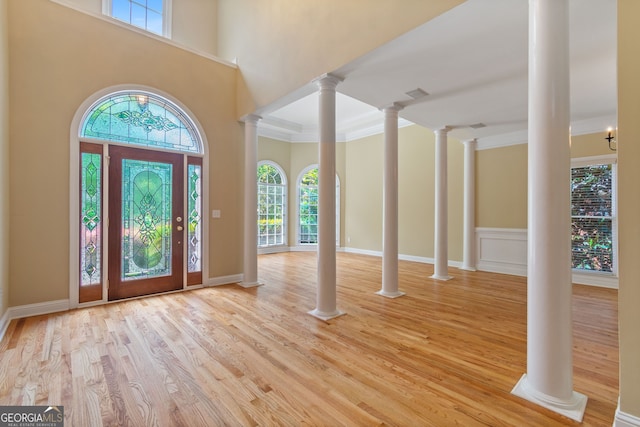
column 417, row 93
column 477, row 126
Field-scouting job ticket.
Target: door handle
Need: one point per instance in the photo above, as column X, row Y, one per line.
column 179, row 228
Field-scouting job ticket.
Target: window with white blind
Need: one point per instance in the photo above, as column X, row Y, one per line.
column 272, row 205
column 593, row 220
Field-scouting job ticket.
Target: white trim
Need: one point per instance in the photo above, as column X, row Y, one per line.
column 368, row 124
column 167, row 18
column 38, row 309
column 411, row 258
column 224, row 280
column 623, row 419
column 146, row 33
column 362, row 251
column 580, row 127
column 502, row 250
column 304, row 248
column 273, row 249
column 503, row 140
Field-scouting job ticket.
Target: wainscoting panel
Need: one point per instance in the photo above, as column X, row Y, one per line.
column 502, row 250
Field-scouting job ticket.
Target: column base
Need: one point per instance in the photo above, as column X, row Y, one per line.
column 468, row 268
column 443, row 278
column 572, row 408
column 322, row 315
column 390, row 294
column 250, row 284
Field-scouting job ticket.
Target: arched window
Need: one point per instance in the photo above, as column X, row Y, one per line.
column 272, row 205
column 154, row 205
column 308, row 207
column 141, row 118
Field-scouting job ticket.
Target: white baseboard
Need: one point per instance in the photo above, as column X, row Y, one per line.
column 625, row 420
column 273, row 250
column 224, row 280
column 39, row 308
column 303, row 248
column 49, row 307
column 402, row 257
column 29, row 310
column 362, row 252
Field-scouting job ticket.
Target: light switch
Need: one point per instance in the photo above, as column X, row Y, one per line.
column 215, row 213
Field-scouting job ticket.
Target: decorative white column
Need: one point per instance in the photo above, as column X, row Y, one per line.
column 390, row 201
column 441, row 263
column 326, row 292
column 469, row 224
column 250, row 262
column 549, row 378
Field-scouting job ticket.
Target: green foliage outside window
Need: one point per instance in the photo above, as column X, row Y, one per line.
column 271, row 206
column 309, row 207
column 592, row 218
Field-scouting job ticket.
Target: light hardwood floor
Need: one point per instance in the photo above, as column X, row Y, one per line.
column 447, row 353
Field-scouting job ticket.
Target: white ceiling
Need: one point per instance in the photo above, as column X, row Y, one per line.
column 472, row 61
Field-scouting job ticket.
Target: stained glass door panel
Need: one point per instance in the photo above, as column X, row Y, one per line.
column 147, row 229
column 91, row 222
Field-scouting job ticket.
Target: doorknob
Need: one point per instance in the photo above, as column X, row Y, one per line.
column 179, row 228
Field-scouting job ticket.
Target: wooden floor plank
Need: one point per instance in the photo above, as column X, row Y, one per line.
column 445, row 354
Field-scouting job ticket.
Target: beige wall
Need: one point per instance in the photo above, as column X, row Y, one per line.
column 294, row 158
column 4, row 159
column 282, row 45
column 52, row 73
column 629, row 204
column 193, row 22
column 416, row 182
column 501, row 180
column 589, row 145
column 501, row 187
column 359, row 166
column 364, row 205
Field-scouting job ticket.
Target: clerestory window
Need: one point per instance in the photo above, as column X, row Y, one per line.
column 150, row 15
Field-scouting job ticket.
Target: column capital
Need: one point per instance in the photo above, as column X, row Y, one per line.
column 251, row 118
column 394, row 106
column 443, row 130
column 470, row 142
column 328, row 81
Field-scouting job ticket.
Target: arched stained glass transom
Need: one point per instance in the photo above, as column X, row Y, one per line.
column 141, row 118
